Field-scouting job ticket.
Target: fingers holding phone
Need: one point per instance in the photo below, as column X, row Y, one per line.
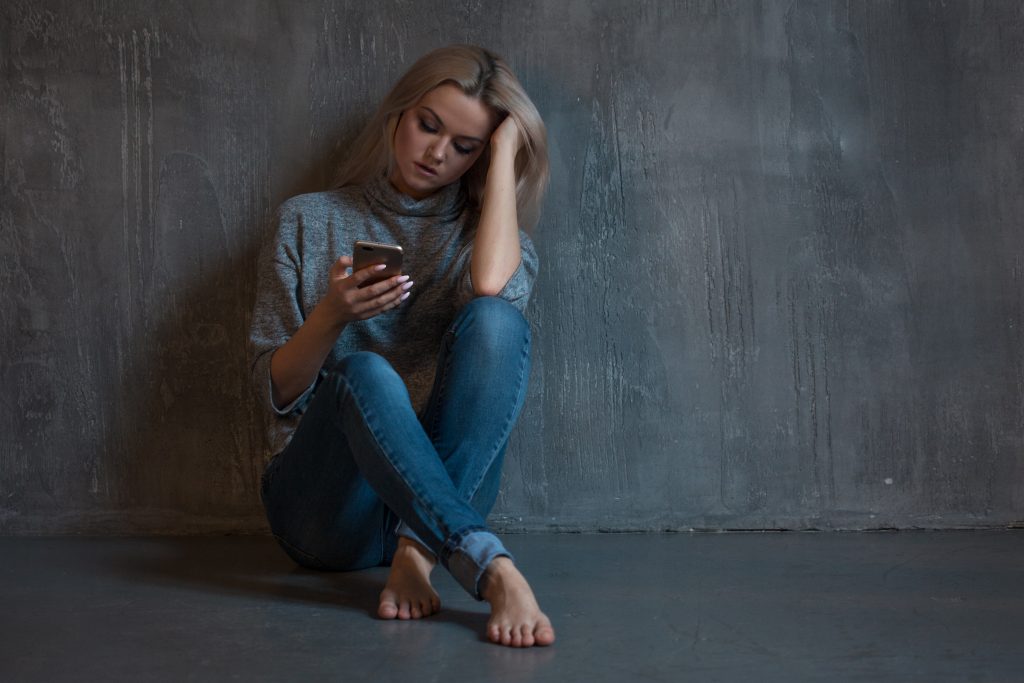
column 375, row 285
column 367, row 254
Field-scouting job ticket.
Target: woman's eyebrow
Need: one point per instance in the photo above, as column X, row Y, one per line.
column 434, row 114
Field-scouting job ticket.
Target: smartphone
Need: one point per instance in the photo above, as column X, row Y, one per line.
column 371, row 253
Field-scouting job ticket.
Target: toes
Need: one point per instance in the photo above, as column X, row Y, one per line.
column 545, row 635
column 517, row 637
column 504, row 634
column 526, row 636
column 392, row 607
column 387, row 610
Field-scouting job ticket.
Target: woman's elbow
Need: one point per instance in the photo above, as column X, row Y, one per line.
column 487, row 288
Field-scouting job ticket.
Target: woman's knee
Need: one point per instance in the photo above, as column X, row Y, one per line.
column 363, row 366
column 495, row 321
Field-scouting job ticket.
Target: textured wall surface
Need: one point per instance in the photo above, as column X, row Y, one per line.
column 782, row 254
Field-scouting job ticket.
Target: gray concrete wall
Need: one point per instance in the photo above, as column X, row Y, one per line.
column 783, row 257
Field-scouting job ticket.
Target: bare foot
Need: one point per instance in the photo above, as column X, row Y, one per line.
column 408, row 593
column 516, row 619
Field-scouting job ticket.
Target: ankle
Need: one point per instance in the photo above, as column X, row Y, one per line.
column 497, row 574
column 412, row 550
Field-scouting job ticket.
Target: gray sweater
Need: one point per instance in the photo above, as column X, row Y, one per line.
column 313, row 230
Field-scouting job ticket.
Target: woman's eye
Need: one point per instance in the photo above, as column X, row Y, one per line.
column 428, row 129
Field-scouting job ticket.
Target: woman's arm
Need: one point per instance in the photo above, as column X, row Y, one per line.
column 295, row 364
column 496, row 249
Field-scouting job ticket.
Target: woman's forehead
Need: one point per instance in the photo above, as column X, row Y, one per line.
column 460, row 114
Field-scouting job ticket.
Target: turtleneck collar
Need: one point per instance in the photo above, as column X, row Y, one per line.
column 446, row 202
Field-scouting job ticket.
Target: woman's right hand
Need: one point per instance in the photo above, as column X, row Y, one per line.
column 348, row 303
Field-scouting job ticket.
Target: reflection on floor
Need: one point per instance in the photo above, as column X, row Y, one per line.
column 908, row 606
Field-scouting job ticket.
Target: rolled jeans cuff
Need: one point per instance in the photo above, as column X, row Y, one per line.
column 467, row 556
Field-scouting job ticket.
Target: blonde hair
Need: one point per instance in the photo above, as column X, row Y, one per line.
column 478, row 73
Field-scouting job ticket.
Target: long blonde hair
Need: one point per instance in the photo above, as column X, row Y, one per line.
column 478, row 73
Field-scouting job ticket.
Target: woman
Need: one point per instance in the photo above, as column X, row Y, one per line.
column 390, row 405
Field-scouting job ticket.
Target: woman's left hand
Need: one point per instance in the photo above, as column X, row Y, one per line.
column 507, row 136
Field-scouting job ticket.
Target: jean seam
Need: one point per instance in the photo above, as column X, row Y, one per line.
column 266, row 479
column 505, row 430
column 446, row 346
column 401, row 473
column 299, row 551
column 452, row 544
column 508, row 419
column 265, row 482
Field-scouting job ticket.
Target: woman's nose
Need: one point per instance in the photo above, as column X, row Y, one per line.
column 434, row 152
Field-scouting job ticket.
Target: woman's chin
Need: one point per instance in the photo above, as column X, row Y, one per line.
column 420, row 181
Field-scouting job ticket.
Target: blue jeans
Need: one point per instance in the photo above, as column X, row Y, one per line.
column 363, row 468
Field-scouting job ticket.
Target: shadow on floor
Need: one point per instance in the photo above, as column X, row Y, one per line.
column 261, row 570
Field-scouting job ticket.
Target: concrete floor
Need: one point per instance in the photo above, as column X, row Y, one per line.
column 907, row 606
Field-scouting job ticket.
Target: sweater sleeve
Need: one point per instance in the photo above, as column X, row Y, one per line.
column 277, row 313
column 519, row 286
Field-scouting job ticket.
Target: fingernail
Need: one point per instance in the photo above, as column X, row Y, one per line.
column 380, row 266
column 403, row 278
column 404, row 297
column 407, row 285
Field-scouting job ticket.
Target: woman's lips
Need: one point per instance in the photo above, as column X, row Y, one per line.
column 425, row 170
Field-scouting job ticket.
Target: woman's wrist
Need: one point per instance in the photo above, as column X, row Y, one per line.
column 295, row 364
column 502, row 152
column 501, row 170
column 327, row 318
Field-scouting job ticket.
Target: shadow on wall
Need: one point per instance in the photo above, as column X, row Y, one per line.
column 184, row 447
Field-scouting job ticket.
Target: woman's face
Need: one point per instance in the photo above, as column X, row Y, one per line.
column 439, row 139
